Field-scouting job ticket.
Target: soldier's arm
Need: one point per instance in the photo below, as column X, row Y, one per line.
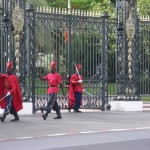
column 40, row 76
column 62, row 88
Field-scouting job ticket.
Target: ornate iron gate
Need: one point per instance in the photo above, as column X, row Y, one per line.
column 76, row 36
column 69, row 37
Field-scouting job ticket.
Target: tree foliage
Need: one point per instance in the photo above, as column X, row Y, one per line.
column 37, row 2
column 82, row 4
column 103, row 6
column 144, row 7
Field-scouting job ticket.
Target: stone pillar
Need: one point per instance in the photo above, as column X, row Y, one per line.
column 127, row 75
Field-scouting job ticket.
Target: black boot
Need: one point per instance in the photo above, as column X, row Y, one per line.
column 78, row 111
column 58, row 115
column 69, row 109
column 16, row 117
column 44, row 116
column 2, row 118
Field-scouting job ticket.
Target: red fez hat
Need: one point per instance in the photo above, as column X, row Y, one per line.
column 78, row 66
column 53, row 65
column 9, row 65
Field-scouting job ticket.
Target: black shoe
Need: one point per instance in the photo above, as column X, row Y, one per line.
column 69, row 110
column 15, row 119
column 58, row 117
column 44, row 116
column 78, row 111
column 2, row 119
column 75, row 111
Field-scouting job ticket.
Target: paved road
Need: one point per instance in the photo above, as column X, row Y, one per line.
column 109, row 130
column 35, row 126
column 122, row 140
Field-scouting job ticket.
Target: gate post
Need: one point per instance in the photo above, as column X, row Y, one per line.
column 30, row 48
column 104, row 84
column 5, row 35
column 127, row 74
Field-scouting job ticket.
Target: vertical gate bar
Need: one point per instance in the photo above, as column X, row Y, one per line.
column 10, row 48
column 5, row 33
column 33, row 65
column 1, row 62
column 104, row 61
column 31, row 52
column 69, row 42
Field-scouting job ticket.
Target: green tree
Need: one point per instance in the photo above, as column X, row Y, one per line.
column 144, row 7
column 81, row 4
column 58, row 3
column 104, row 6
column 37, row 2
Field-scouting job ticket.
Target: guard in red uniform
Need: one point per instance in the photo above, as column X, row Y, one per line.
column 53, row 79
column 76, row 89
column 10, row 94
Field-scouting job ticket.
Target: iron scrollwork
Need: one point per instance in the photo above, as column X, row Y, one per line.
column 18, row 24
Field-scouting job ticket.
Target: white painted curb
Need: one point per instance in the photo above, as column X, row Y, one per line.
column 27, row 109
column 126, row 105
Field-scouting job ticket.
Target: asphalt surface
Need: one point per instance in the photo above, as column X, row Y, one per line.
column 122, row 140
column 72, row 123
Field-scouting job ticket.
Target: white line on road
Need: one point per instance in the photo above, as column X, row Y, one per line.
column 75, row 133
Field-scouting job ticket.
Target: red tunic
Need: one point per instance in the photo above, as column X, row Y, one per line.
column 74, row 87
column 10, row 84
column 53, row 79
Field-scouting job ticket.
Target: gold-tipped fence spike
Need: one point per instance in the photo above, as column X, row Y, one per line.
column 59, row 11
column 44, row 10
column 85, row 12
column 76, row 11
column 47, row 9
column 73, row 12
column 81, row 12
column 41, row 8
column 53, row 10
column 63, row 10
column 50, row 10
column 66, row 12
column 37, row 8
column 88, row 12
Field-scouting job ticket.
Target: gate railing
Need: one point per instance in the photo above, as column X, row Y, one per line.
column 78, row 36
column 69, row 37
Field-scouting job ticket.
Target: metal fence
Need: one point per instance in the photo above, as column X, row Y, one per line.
column 76, row 36
column 144, row 57
column 70, row 37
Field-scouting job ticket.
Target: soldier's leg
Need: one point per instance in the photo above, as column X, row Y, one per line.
column 50, row 104
column 78, row 97
column 15, row 114
column 57, row 109
column 7, row 108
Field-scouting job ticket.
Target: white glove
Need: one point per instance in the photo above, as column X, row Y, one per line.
column 83, row 90
column 8, row 93
column 80, row 81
